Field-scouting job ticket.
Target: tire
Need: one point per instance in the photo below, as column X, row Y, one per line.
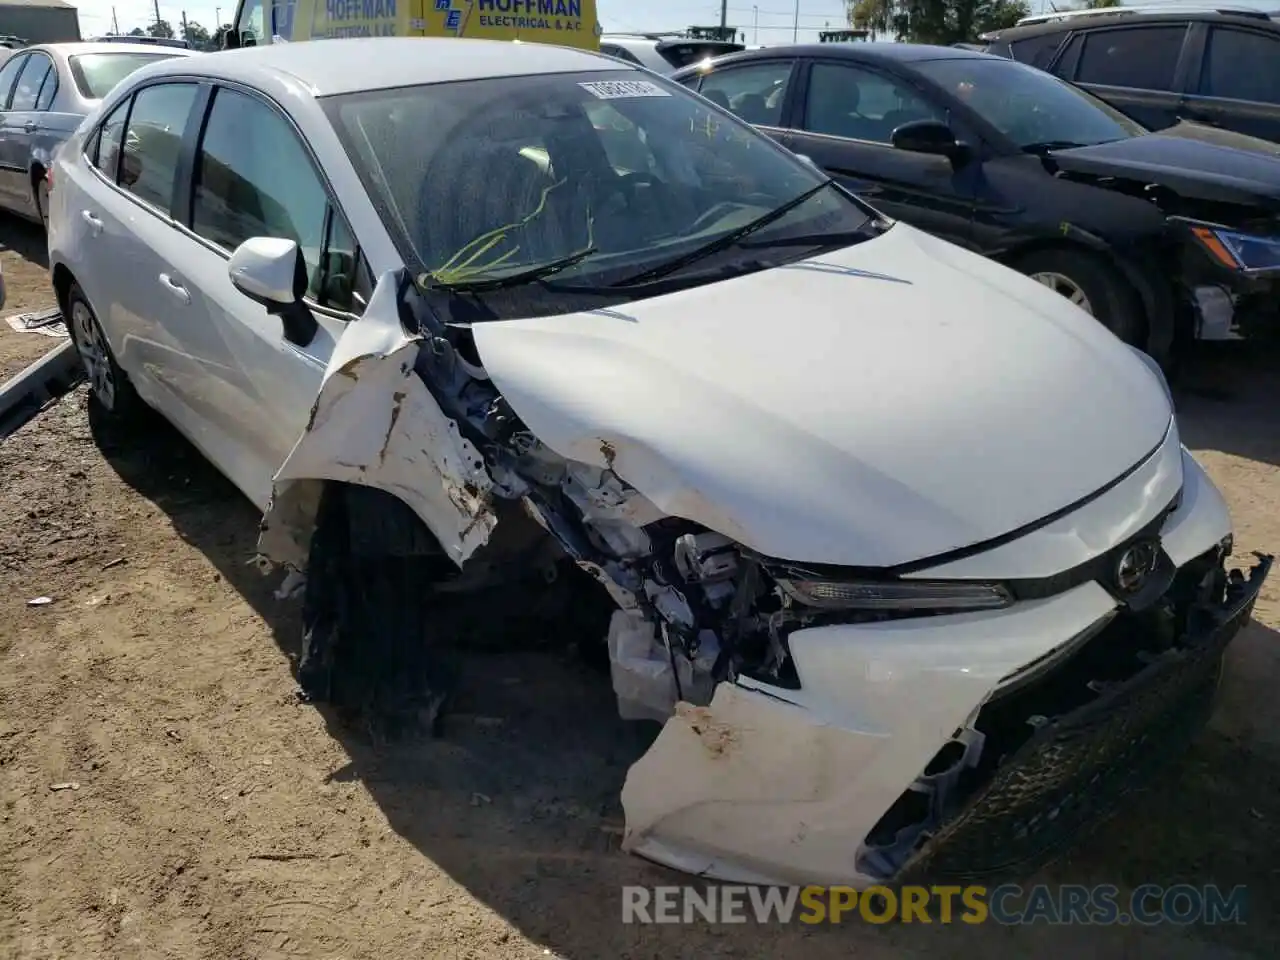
column 1104, row 293
column 110, row 389
column 366, row 628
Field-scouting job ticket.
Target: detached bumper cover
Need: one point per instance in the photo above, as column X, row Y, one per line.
column 1071, row 772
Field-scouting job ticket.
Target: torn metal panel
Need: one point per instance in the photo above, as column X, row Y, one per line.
column 749, row 789
column 374, row 423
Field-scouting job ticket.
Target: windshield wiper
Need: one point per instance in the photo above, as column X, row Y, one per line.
column 831, row 238
column 519, row 278
column 721, row 242
column 1046, row 145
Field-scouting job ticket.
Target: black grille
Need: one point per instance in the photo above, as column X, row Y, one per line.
column 1069, row 774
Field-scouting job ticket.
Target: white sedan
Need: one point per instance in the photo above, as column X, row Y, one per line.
column 905, row 549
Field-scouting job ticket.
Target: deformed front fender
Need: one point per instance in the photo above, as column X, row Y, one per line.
column 375, row 424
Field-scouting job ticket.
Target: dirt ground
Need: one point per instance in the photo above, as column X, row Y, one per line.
column 212, row 816
column 22, row 260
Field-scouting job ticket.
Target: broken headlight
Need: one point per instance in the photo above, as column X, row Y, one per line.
column 924, row 595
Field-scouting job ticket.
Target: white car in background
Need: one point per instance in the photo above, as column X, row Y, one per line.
column 905, row 549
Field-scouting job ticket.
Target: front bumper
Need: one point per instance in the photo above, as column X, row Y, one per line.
column 1069, row 774
column 809, row 785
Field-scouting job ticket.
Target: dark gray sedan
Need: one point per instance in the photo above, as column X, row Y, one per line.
column 45, row 91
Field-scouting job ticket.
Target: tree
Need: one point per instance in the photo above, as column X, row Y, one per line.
column 137, row 32
column 160, row 28
column 935, row 21
column 1101, row 4
column 219, row 37
column 196, row 35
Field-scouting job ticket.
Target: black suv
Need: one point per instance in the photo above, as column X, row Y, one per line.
column 1214, row 67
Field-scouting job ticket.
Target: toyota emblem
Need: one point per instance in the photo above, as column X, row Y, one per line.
column 1136, row 564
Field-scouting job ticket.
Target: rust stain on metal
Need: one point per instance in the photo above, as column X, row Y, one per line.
column 718, row 738
column 348, row 369
column 397, row 404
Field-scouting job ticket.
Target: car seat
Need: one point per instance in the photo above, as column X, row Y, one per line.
column 718, row 97
column 487, row 190
column 752, row 108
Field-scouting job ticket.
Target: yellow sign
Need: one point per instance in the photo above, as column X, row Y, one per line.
column 571, row 23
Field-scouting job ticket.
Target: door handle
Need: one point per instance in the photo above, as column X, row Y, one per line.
column 174, row 287
column 31, row 126
column 95, row 223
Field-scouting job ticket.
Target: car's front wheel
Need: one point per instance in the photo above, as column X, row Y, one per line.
column 367, row 616
column 109, row 388
column 1091, row 285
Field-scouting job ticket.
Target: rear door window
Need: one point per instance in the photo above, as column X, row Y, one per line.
column 153, row 141
column 1241, row 65
column 30, row 81
column 47, row 92
column 8, row 74
column 1142, row 58
column 757, row 92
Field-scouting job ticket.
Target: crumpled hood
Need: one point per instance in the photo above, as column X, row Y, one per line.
column 1197, row 161
column 874, row 406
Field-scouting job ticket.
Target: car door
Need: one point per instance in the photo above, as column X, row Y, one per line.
column 13, row 168
column 1141, row 70
column 126, row 228
column 252, row 390
column 1238, row 84
column 758, row 91
column 847, row 113
column 25, row 120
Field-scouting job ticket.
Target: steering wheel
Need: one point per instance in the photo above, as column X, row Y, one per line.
column 710, row 216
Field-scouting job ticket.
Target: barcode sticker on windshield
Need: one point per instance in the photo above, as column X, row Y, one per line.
column 623, row 89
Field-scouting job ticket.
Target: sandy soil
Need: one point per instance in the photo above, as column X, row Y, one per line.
column 23, row 259
column 215, row 817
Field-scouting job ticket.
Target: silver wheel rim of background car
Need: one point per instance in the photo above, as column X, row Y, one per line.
column 1066, row 287
column 93, row 354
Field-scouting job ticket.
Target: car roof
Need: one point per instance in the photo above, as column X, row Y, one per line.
column 381, row 63
column 75, row 49
column 1127, row 18
column 866, row 52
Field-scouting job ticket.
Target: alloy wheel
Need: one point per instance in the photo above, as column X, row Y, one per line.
column 92, row 347
column 1066, row 287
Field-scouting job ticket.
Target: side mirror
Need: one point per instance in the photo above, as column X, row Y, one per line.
column 929, row 136
column 271, row 271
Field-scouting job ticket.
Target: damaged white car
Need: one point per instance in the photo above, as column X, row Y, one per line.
column 902, row 546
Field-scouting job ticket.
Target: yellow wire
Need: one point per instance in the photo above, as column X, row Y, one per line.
column 453, row 272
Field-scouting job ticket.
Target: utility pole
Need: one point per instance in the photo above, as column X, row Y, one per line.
column 115, row 24
column 755, row 21
column 795, row 24
column 184, row 25
column 157, row 6
column 217, row 17
column 724, row 13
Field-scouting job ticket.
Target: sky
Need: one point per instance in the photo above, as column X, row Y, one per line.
column 769, row 21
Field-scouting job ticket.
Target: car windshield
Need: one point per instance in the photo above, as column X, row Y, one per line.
column 604, row 177
column 97, row 73
column 1032, row 108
